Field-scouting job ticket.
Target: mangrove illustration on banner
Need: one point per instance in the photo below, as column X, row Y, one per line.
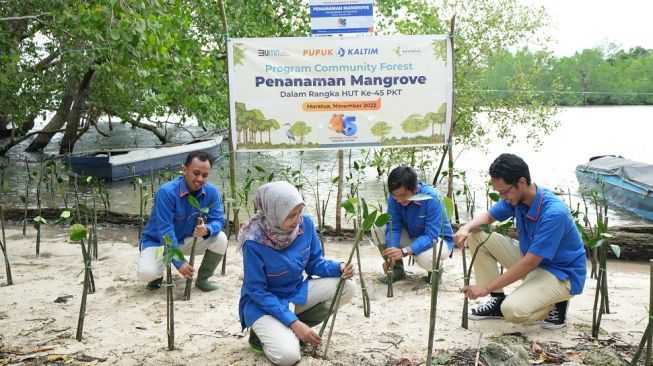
column 333, row 92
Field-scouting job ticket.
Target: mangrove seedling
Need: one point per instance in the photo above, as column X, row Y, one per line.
column 37, row 222
column 389, row 268
column 25, row 198
column 3, row 246
column 91, row 287
column 191, row 261
column 202, row 211
column 369, row 220
column 446, row 206
column 501, row 228
column 169, row 253
column 77, row 234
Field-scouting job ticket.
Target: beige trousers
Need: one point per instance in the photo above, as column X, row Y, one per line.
column 423, row 259
column 280, row 344
column 537, row 293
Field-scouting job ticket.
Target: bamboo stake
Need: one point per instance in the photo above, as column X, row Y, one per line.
column 3, row 245
column 191, row 261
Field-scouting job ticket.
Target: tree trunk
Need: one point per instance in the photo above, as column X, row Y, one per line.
column 70, row 136
column 56, row 122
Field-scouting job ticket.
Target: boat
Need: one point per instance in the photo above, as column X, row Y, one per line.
column 620, row 181
column 118, row 164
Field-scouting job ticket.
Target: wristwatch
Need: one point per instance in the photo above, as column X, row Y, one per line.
column 404, row 251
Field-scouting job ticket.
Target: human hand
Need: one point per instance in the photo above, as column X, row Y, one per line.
column 186, row 270
column 394, row 254
column 347, row 270
column 460, row 237
column 474, row 292
column 305, row 333
column 200, row 231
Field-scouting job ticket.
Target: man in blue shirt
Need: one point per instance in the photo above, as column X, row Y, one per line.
column 417, row 223
column 173, row 214
column 549, row 256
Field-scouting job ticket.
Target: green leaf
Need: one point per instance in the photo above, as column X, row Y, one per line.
column 78, row 232
column 259, row 168
column 494, row 196
column 65, row 214
column 348, row 206
column 365, row 209
column 114, row 34
column 382, row 219
column 368, row 221
column 193, row 201
column 486, row 228
column 616, row 250
column 448, row 204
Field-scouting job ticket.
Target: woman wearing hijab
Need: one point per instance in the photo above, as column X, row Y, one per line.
column 280, row 305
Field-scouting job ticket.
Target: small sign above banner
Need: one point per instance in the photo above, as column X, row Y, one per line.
column 340, row 17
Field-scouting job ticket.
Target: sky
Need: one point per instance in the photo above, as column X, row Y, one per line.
column 580, row 24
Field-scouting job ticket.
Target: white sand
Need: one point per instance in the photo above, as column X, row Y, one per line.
column 125, row 323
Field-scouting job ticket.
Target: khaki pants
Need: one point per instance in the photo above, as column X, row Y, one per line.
column 150, row 267
column 534, row 297
column 423, row 259
column 280, row 344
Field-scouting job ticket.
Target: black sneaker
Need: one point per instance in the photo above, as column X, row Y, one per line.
column 557, row 317
column 490, row 310
column 154, row 285
column 254, row 342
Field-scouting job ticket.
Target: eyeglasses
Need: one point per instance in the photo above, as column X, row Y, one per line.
column 292, row 218
column 504, row 193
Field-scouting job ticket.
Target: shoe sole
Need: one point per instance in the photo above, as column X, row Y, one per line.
column 553, row 326
column 478, row 317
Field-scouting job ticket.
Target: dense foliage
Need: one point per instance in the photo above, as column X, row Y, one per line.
column 147, row 62
column 590, row 77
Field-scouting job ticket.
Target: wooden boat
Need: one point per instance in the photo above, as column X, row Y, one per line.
column 623, row 182
column 117, row 164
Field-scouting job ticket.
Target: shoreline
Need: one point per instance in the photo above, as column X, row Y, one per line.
column 125, row 323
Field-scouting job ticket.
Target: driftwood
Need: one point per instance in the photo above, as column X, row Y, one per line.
column 636, row 242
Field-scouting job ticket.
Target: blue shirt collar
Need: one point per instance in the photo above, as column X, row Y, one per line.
column 535, row 210
column 183, row 188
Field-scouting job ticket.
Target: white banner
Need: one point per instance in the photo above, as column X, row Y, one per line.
column 332, row 92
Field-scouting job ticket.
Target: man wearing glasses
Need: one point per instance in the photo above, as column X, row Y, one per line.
column 549, row 256
column 417, row 221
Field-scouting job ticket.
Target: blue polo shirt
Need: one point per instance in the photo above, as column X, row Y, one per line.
column 547, row 229
column 173, row 214
column 422, row 219
column 274, row 278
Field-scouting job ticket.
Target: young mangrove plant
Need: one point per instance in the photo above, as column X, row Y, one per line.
column 368, row 221
column 142, row 202
column 647, row 337
column 446, row 206
column 25, row 198
column 202, row 212
column 501, row 228
column 93, row 238
column 38, row 220
column 77, row 234
column 3, row 246
column 91, row 287
column 597, row 240
column 169, row 253
column 388, row 266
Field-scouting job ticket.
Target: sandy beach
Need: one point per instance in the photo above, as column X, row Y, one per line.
column 125, row 323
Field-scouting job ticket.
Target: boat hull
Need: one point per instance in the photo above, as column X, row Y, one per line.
column 618, row 192
column 121, row 164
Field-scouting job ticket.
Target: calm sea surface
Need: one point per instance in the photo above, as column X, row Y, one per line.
column 583, row 132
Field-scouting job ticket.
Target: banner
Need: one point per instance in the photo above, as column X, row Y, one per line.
column 332, row 92
column 340, row 17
